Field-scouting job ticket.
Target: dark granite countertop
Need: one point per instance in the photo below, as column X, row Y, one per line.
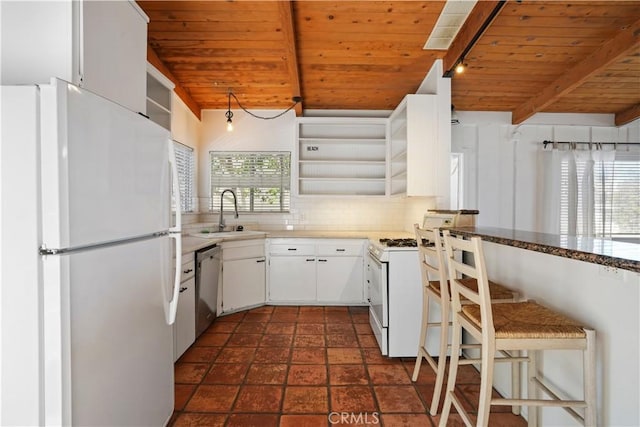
column 598, row 251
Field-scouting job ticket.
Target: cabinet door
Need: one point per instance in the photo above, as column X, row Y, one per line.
column 114, row 52
column 292, row 278
column 243, row 283
column 185, row 325
column 340, row 279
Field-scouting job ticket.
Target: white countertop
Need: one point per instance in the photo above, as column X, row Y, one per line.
column 191, row 243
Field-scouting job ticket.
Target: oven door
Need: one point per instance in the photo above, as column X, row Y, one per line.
column 377, row 288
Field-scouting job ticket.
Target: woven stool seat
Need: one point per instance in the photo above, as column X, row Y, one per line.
column 527, row 320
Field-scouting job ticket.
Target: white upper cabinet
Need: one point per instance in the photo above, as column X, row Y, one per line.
column 98, row 45
column 341, row 156
column 418, row 159
column 159, row 97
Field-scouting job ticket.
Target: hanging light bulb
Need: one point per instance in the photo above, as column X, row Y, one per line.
column 229, row 115
column 460, row 67
column 229, row 123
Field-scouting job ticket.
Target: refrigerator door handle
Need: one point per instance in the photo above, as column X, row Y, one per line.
column 175, row 233
column 176, row 188
column 173, row 305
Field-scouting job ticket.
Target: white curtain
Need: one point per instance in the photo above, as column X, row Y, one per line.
column 574, row 197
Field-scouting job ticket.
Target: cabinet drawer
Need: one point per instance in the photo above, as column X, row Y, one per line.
column 294, row 249
column 350, row 249
column 254, row 251
column 188, row 270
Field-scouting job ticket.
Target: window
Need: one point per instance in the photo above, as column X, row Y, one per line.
column 615, row 210
column 185, row 162
column 261, row 180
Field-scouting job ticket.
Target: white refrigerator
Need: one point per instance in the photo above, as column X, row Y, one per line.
column 88, row 261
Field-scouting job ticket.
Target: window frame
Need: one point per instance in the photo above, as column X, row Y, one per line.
column 247, row 194
column 187, row 189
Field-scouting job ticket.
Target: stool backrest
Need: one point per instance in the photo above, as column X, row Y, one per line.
column 431, row 258
column 470, row 264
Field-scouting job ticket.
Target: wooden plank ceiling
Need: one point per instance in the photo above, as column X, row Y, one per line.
column 535, row 56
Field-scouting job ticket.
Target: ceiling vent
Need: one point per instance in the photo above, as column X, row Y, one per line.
column 451, row 18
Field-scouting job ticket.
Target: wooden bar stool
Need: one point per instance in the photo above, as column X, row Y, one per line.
column 435, row 288
column 517, row 326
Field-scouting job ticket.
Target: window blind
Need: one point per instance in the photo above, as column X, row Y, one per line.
column 261, row 180
column 185, row 164
column 616, row 186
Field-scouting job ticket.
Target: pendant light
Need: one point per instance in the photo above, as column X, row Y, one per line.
column 229, row 115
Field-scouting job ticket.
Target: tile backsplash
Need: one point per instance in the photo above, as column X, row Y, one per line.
column 319, row 213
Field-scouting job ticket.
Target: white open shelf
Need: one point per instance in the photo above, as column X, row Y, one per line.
column 342, row 156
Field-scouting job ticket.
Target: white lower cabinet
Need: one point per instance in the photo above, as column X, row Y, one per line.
column 243, row 274
column 316, row 271
column 184, row 327
column 292, row 278
column 340, row 279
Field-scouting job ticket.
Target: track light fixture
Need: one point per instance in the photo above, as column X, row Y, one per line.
column 229, row 114
column 459, row 66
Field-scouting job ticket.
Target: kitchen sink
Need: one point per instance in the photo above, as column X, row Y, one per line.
column 221, row 234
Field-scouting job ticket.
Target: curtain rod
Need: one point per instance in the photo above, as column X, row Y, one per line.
column 573, row 143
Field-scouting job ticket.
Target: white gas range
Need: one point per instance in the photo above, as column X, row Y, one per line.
column 395, row 290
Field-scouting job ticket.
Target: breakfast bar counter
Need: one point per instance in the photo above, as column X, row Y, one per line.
column 598, row 251
column 596, row 282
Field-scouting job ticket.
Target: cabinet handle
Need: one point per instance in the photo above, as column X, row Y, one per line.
column 187, row 271
column 292, row 249
column 322, row 260
column 311, row 259
column 183, row 289
column 340, row 250
column 261, row 260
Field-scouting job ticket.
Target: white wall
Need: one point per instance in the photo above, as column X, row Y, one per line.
column 502, row 170
column 307, row 212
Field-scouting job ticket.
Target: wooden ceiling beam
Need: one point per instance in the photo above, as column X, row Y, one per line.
column 285, row 9
column 621, row 44
column 154, row 60
column 474, row 23
column 628, row 115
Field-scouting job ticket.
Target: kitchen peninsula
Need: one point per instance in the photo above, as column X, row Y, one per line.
column 595, row 281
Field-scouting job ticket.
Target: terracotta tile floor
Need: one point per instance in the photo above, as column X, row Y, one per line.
column 294, row 366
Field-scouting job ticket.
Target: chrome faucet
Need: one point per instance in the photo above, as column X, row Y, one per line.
column 235, row 206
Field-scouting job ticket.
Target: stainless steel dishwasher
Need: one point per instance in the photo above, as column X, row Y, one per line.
column 207, row 274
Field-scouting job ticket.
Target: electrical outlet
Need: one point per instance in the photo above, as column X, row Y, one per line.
column 312, row 148
column 611, row 272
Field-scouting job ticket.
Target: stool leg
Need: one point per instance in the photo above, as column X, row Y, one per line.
column 486, row 383
column 456, row 338
column 442, row 357
column 423, row 333
column 590, row 395
column 532, row 389
column 516, row 369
